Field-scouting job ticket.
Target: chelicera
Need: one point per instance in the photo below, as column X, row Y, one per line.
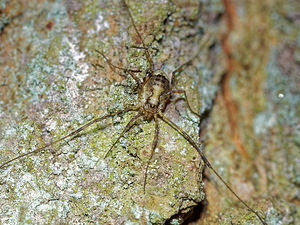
column 154, row 93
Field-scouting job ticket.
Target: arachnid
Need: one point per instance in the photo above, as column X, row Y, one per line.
column 154, row 93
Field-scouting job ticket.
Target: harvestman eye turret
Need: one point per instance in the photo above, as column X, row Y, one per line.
column 154, row 92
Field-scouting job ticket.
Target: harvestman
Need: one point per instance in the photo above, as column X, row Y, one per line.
column 154, row 92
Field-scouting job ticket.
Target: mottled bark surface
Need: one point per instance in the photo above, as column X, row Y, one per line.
column 253, row 134
column 249, row 60
column 49, row 88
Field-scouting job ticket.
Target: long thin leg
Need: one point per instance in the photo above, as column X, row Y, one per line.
column 140, row 37
column 127, row 128
column 187, row 100
column 154, row 144
column 206, row 40
column 69, row 135
column 113, row 67
column 207, row 163
column 179, row 69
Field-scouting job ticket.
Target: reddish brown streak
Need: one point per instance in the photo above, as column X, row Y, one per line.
column 231, row 107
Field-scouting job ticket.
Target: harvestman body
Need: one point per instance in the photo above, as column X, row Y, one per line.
column 154, row 93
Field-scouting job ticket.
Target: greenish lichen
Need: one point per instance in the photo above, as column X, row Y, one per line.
column 53, row 89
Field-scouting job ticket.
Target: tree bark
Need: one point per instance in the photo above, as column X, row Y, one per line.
column 53, row 81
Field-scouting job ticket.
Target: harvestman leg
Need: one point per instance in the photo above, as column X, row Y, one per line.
column 206, row 162
column 113, row 67
column 178, row 70
column 140, row 37
column 69, row 135
column 127, row 128
column 187, row 100
column 206, row 39
column 190, row 140
column 154, row 144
